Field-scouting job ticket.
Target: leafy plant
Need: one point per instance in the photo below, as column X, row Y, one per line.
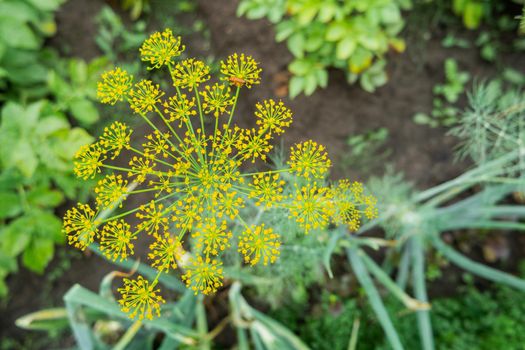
column 351, row 35
column 38, row 145
column 23, row 26
column 444, row 112
column 39, row 96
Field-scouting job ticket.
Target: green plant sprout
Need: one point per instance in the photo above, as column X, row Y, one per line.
column 444, row 113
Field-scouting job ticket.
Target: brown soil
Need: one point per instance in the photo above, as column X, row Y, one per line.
column 329, row 116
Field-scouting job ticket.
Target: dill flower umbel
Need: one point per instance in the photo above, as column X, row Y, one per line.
column 259, row 244
column 241, row 70
column 115, row 241
column 80, row 226
column 140, row 298
column 189, row 169
column 203, row 275
column 161, row 48
column 115, row 86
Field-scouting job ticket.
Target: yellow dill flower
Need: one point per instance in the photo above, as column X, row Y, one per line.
column 190, row 73
column 111, row 190
column 346, row 212
column 259, row 244
column 227, row 203
column 273, row 116
column 154, row 218
column 141, row 167
column 187, row 212
column 165, row 252
column 266, row 188
column 80, row 226
column 88, row 161
column 310, row 207
column 309, row 159
column 115, row 86
column 162, row 184
column 241, row 70
column 180, row 108
column 115, row 138
column 115, row 240
column 160, row 48
column 216, row 99
column 253, row 145
column 144, row 96
column 227, row 139
column 140, row 298
column 212, row 237
column 371, row 211
column 203, row 275
column 158, row 145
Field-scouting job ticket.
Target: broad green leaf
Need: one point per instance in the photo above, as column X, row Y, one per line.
column 51, row 124
column 300, row 67
column 18, row 10
column 17, row 34
column 10, row 205
column 69, row 143
column 296, row 44
column 44, row 197
column 296, row 86
column 473, row 14
column 345, row 48
column 84, row 111
column 47, row 5
column 23, row 158
column 336, row 31
column 38, row 254
column 16, row 236
column 78, row 71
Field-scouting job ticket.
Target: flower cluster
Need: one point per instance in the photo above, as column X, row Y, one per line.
column 190, row 170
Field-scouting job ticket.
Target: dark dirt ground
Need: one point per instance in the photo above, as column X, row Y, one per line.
column 329, row 116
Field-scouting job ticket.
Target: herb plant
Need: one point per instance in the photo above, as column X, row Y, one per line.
column 202, row 194
column 350, row 35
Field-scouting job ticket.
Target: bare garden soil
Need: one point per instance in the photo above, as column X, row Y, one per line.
column 329, row 116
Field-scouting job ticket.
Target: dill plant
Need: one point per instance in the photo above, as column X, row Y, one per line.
column 208, row 199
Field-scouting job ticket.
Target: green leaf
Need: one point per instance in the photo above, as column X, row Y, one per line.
column 38, row 254
column 300, row 67
column 24, row 158
column 47, row 5
column 78, row 71
column 16, row 236
column 9, row 205
column 296, row 86
column 296, row 44
column 48, row 226
column 472, row 15
column 345, row 48
column 84, row 111
column 17, row 34
column 44, row 197
column 336, row 31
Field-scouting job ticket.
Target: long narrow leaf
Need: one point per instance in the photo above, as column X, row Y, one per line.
column 385, row 280
column 418, row 277
column 477, row 268
column 374, row 298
